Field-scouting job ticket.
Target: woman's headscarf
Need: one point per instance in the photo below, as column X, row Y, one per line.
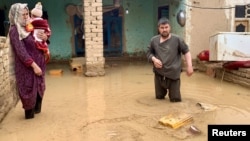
column 16, row 18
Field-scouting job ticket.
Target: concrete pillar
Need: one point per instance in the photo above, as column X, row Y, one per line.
column 92, row 13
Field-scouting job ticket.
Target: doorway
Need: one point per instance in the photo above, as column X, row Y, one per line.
column 79, row 36
column 163, row 11
column 112, row 33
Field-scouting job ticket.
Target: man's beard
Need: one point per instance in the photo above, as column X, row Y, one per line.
column 165, row 34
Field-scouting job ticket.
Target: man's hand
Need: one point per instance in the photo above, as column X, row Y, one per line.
column 189, row 70
column 157, row 62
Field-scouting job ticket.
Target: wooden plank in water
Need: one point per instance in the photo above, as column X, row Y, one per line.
column 56, row 72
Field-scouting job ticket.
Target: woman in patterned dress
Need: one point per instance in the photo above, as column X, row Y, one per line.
column 29, row 61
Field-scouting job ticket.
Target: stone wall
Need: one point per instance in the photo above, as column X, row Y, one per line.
column 240, row 76
column 8, row 96
column 216, row 70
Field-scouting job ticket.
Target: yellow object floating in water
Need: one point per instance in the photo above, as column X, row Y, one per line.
column 176, row 120
column 56, row 72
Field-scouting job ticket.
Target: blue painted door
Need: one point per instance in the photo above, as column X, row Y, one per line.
column 79, row 36
column 112, row 33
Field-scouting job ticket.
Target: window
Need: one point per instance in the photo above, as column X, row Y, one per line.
column 242, row 11
column 163, row 11
column 242, row 18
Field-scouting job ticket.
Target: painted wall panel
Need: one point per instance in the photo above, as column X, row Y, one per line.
column 139, row 24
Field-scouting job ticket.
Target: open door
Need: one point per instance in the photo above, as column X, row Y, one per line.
column 79, row 36
column 112, row 33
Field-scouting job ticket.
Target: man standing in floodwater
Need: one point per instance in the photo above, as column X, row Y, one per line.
column 165, row 52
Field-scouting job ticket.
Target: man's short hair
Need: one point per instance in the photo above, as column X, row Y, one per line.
column 163, row 20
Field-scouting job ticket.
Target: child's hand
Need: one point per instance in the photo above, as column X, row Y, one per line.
column 42, row 35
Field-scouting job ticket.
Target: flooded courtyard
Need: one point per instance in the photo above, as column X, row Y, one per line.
column 121, row 106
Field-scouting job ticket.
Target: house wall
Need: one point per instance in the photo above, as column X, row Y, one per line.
column 139, row 25
column 8, row 92
column 175, row 7
column 4, row 78
column 207, row 20
column 141, row 22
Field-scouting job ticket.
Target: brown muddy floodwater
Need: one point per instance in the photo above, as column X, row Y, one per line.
column 121, row 106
